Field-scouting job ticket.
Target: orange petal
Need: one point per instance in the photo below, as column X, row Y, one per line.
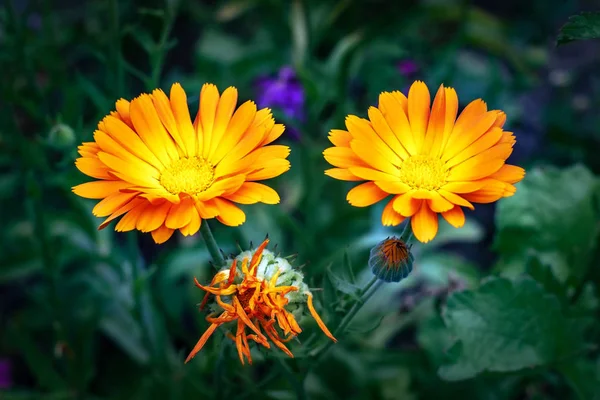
column 153, row 217
column 162, row 234
column 396, row 187
column 381, row 127
column 365, row 195
column 181, row 113
column 201, row 342
column 223, row 115
column 406, row 205
column 424, row 223
column 229, row 214
column 342, row 174
column 180, row 214
column 340, row 137
column 435, row 128
column 370, row 174
column 389, row 217
column 419, row 103
column 99, row 189
column 455, row 216
column 439, row 204
column 456, row 199
column 317, row 318
column 509, row 173
column 397, row 119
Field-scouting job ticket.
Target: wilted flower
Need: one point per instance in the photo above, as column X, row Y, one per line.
column 5, row 374
column 284, row 92
column 258, row 292
column 163, row 172
column 391, row 260
column 430, row 161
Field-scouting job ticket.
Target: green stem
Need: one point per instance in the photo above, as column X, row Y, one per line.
column 297, row 384
column 407, row 233
column 157, row 58
column 211, row 244
column 116, row 47
column 364, row 294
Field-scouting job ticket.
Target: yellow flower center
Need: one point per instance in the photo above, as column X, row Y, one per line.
column 188, row 175
column 423, row 172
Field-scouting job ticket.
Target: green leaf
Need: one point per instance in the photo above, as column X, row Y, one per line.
column 342, row 285
column 221, row 48
column 299, row 29
column 366, row 328
column 554, row 215
column 39, row 362
column 580, row 27
column 93, row 93
column 584, row 377
column 507, row 326
column 348, row 267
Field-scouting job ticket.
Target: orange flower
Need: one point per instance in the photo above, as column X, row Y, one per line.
column 256, row 303
column 162, row 172
column 429, row 160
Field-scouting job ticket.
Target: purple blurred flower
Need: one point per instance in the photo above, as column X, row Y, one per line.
column 5, row 374
column 407, row 67
column 284, row 92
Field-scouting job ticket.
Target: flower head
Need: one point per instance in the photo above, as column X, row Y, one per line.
column 284, row 92
column 429, row 160
column 391, row 260
column 162, row 172
column 259, row 293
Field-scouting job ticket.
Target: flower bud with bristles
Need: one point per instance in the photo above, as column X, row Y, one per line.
column 391, row 260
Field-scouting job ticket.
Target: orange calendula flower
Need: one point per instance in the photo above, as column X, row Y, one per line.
column 162, row 172
column 429, row 160
column 262, row 298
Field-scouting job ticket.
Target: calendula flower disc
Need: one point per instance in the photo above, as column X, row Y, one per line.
column 391, row 260
column 260, row 293
column 427, row 159
column 162, row 172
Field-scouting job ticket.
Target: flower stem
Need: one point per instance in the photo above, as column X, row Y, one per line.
column 364, row 297
column 211, row 244
column 407, row 232
column 364, row 294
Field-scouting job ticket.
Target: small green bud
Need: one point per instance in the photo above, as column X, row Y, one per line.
column 61, row 136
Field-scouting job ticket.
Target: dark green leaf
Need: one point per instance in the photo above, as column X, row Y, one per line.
column 507, row 326
column 342, row 285
column 39, row 362
column 584, row 377
column 554, row 215
column 580, row 27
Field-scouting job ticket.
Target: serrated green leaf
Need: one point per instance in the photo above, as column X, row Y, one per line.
column 554, row 216
column 342, row 285
column 507, row 326
column 580, row 27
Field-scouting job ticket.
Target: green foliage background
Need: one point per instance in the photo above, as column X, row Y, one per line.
column 504, row 308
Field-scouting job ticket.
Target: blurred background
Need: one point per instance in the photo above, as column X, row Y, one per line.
column 88, row 314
